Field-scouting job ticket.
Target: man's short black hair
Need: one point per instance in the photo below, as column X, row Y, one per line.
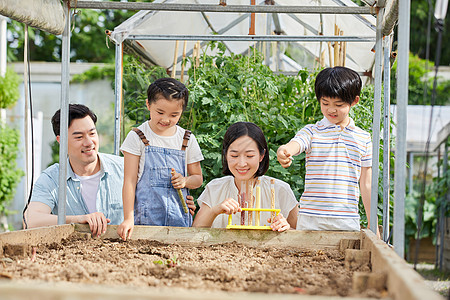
column 251, row 130
column 338, row 82
column 76, row 111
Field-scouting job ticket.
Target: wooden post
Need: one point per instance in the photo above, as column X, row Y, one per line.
column 251, row 30
column 183, row 62
column 329, row 55
column 336, row 47
column 197, row 58
column 175, row 60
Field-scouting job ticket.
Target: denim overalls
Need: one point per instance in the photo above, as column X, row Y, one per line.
column 157, row 202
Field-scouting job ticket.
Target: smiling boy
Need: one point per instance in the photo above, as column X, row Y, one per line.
column 338, row 157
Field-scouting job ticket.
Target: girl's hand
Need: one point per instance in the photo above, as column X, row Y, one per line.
column 178, row 180
column 279, row 223
column 228, row 206
column 191, row 204
column 125, row 229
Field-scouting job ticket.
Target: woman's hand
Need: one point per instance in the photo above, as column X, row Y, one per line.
column 279, row 223
column 228, row 206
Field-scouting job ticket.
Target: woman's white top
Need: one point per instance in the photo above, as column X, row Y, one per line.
column 222, row 188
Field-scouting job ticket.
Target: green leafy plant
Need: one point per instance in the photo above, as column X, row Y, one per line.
column 170, row 263
column 418, row 83
column 227, row 88
column 9, row 89
column 9, row 174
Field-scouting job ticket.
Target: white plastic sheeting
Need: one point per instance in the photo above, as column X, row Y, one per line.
column 359, row 55
column 47, row 15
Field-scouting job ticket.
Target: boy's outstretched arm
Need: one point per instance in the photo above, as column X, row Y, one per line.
column 285, row 152
column 365, row 185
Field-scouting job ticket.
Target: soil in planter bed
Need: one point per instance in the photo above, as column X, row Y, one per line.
column 227, row 267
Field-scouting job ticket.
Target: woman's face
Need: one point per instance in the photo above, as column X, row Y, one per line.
column 243, row 158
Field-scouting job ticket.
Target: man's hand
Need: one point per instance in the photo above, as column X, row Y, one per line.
column 97, row 222
column 284, row 157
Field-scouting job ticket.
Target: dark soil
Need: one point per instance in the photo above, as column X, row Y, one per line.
column 143, row 263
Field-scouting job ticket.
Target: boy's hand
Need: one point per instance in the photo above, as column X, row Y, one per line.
column 284, row 157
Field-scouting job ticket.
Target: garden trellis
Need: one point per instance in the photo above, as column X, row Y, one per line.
column 385, row 12
column 138, row 27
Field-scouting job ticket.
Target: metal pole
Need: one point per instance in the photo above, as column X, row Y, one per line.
column 442, row 209
column 376, row 121
column 63, row 136
column 438, row 212
column 386, row 136
column 411, row 173
column 267, row 44
column 118, row 93
column 3, row 48
column 402, row 103
column 3, row 55
column 244, row 38
column 224, row 9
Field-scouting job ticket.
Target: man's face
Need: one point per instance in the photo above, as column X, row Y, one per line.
column 82, row 143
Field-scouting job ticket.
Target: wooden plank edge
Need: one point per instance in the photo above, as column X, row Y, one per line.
column 37, row 236
column 38, row 290
column 255, row 238
column 402, row 281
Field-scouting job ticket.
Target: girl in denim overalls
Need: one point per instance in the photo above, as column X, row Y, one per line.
column 160, row 157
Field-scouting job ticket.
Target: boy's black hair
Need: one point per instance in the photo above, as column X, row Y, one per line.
column 168, row 88
column 251, row 130
column 338, row 82
column 76, row 111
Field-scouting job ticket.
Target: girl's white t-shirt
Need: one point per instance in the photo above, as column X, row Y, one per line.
column 222, row 188
column 134, row 145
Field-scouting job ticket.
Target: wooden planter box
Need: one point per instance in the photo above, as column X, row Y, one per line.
column 401, row 281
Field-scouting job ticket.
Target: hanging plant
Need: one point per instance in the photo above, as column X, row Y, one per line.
column 9, row 89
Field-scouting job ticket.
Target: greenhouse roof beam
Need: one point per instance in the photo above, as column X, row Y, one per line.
column 243, row 38
column 359, row 17
column 223, row 9
column 369, row 2
column 304, row 24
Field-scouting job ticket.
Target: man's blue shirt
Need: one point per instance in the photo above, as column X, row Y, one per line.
column 109, row 195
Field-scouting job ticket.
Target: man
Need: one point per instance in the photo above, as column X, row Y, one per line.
column 94, row 180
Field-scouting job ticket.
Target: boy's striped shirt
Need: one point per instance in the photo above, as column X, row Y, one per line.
column 334, row 158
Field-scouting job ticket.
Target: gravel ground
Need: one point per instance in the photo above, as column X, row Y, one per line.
column 434, row 279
